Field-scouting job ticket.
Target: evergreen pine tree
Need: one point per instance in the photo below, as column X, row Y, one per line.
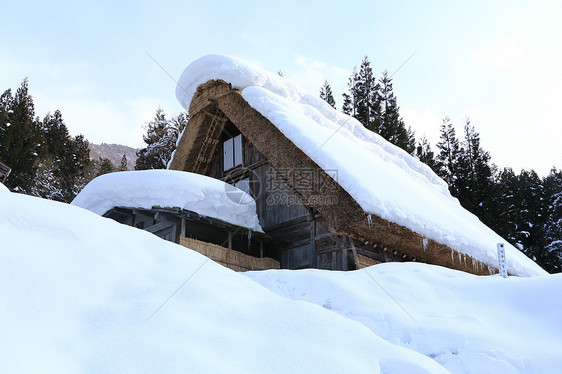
column 366, row 93
column 448, row 156
column 327, row 95
column 505, row 206
column 19, row 138
column 391, row 126
column 532, row 204
column 161, row 138
column 63, row 164
column 550, row 258
column 104, row 166
column 479, row 175
column 347, row 106
column 425, row 154
column 123, row 165
column 81, row 164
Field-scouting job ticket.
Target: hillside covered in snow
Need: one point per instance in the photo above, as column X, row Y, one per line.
column 467, row 323
column 81, row 293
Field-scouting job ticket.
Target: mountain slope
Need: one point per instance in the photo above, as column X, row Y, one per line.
column 114, row 152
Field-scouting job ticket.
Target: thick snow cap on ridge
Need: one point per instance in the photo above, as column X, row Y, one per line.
column 169, row 189
column 382, row 178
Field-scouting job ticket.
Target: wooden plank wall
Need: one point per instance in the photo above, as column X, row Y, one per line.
column 301, row 238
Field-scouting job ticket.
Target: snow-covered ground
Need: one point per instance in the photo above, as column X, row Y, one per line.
column 412, row 195
column 169, row 189
column 81, row 293
column 467, row 323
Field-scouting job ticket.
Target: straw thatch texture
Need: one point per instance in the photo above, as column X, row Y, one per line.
column 364, row 261
column 229, row 258
column 346, row 217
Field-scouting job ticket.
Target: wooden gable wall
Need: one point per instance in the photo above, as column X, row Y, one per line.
column 302, row 238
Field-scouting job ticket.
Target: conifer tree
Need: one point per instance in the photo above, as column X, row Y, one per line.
column 123, row 165
column 19, row 137
column 506, row 208
column 349, row 106
column 448, row 156
column 476, row 175
column 80, row 164
column 531, row 214
column 63, row 165
column 366, row 96
column 550, row 257
column 327, row 95
column 161, row 138
column 425, row 154
column 105, row 166
column 391, row 126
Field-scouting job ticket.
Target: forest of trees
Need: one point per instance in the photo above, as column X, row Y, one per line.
column 522, row 207
column 46, row 161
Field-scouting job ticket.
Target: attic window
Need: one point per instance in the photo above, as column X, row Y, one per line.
column 232, row 150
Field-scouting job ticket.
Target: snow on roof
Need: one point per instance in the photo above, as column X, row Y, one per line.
column 170, row 189
column 382, row 178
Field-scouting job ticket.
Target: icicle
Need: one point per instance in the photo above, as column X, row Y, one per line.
column 370, row 220
column 453, row 257
column 464, row 257
column 425, row 242
column 460, row 258
column 249, row 238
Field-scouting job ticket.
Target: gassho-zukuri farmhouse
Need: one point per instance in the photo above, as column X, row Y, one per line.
column 266, row 175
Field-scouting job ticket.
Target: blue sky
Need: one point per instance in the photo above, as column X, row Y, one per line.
column 497, row 62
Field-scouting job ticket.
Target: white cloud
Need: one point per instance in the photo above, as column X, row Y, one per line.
column 501, row 54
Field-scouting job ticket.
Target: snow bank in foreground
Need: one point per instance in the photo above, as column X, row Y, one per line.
column 3, row 188
column 169, row 188
column 382, row 178
column 80, row 293
column 468, row 324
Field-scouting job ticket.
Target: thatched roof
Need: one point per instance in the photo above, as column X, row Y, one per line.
column 356, row 213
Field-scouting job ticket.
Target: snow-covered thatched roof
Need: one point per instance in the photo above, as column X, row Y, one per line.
column 203, row 195
column 383, row 179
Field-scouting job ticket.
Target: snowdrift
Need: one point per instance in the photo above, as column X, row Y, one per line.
column 382, row 178
column 467, row 323
column 81, row 293
column 169, row 189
